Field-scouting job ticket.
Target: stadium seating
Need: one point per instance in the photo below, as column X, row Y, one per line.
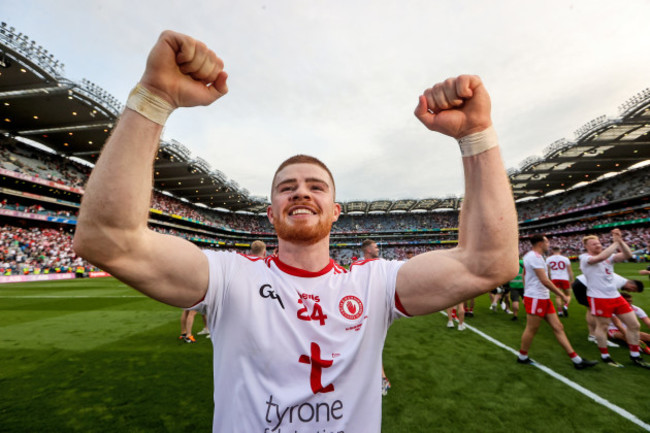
column 40, row 194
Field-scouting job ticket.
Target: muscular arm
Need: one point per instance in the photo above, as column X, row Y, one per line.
column 604, row 254
column 487, row 253
column 112, row 230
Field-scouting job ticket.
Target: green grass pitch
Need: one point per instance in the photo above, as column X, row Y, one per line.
column 96, row 356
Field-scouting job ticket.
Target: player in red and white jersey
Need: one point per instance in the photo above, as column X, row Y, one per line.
column 561, row 274
column 297, row 339
column 597, row 265
column 539, row 306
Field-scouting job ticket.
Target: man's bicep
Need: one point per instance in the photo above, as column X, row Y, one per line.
column 166, row 268
column 434, row 281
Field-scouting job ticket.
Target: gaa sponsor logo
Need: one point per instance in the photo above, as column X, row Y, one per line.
column 351, row 307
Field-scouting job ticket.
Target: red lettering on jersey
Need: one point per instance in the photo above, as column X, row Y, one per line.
column 317, row 365
column 317, row 311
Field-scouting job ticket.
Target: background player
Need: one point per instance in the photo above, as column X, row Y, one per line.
column 539, row 306
column 597, row 264
column 561, row 274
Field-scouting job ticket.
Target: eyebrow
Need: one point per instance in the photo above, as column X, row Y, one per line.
column 308, row 180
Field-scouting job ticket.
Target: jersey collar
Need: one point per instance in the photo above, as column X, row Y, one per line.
column 297, row 272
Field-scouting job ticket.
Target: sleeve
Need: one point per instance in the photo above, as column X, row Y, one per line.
column 538, row 263
column 394, row 308
column 220, row 268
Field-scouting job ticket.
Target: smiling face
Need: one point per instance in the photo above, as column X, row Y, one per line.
column 593, row 246
column 302, row 204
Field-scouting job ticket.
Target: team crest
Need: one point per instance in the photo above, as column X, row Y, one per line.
column 351, row 307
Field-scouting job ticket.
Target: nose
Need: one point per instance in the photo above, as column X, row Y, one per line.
column 301, row 193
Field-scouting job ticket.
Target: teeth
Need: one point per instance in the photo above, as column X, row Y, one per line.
column 301, row 211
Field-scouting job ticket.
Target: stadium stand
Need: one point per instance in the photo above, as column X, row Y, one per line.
column 588, row 185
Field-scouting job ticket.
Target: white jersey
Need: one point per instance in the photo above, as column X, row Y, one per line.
column 298, row 351
column 558, row 266
column 600, row 277
column 619, row 281
column 533, row 287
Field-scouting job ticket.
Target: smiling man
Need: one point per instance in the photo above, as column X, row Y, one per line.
column 297, row 338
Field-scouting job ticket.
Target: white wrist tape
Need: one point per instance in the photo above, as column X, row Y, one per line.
column 478, row 142
column 151, row 106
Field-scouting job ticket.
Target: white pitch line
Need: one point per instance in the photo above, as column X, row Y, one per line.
column 598, row 399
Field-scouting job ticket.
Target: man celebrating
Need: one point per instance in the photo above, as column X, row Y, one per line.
column 300, row 338
column 597, row 265
column 559, row 269
column 539, row 306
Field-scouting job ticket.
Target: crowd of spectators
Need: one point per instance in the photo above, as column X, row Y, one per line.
column 18, row 157
column 23, row 249
column 397, row 222
column 36, row 209
column 630, row 184
column 36, row 250
column 637, row 238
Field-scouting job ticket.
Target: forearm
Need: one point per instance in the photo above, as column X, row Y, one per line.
column 549, row 285
column 488, row 220
column 604, row 254
column 625, row 250
column 117, row 199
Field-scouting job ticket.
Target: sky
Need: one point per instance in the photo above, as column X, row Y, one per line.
column 339, row 79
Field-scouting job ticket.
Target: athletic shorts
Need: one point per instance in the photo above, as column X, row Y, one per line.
column 516, row 294
column 580, row 293
column 538, row 307
column 562, row 284
column 605, row 307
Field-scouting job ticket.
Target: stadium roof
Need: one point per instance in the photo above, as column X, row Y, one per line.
column 40, row 104
column 604, row 145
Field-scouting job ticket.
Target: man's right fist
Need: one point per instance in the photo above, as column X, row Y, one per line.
column 184, row 71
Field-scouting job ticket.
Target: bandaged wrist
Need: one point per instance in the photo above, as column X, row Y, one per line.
column 151, row 106
column 478, row 142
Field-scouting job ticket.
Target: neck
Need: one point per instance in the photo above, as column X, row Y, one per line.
column 310, row 258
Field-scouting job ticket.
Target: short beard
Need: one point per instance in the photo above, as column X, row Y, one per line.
column 302, row 234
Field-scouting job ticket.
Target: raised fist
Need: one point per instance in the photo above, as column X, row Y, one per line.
column 184, row 71
column 455, row 107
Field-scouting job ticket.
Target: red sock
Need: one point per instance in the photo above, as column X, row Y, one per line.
column 603, row 351
column 572, row 355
